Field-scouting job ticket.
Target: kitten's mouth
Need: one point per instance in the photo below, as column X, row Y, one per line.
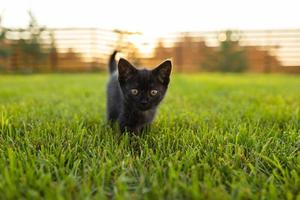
column 144, row 107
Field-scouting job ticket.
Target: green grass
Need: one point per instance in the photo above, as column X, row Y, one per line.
column 215, row 137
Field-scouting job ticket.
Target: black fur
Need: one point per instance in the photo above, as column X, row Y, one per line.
column 112, row 66
column 134, row 112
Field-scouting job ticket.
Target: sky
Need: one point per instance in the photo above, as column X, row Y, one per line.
column 155, row 16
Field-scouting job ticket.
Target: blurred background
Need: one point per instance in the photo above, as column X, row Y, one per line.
column 225, row 36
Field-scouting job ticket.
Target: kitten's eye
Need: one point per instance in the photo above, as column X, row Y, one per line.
column 134, row 92
column 153, row 92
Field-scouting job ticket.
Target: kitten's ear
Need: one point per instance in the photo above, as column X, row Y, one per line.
column 126, row 70
column 163, row 71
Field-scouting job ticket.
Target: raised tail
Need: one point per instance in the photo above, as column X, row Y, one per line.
column 112, row 65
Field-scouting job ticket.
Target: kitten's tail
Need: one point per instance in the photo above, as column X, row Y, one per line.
column 112, row 64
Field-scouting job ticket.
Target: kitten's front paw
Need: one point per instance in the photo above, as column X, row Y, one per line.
column 132, row 131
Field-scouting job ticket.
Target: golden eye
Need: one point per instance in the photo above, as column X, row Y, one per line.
column 134, row 91
column 153, row 92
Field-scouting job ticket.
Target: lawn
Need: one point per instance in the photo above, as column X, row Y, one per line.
column 216, row 136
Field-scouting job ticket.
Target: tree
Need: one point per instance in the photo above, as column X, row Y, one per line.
column 53, row 53
column 32, row 46
column 229, row 56
column 4, row 48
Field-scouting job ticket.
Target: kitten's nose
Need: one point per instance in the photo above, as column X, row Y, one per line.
column 144, row 102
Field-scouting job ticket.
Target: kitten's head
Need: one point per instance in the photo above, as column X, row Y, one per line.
column 144, row 89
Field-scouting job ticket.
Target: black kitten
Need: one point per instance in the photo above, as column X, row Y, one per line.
column 133, row 95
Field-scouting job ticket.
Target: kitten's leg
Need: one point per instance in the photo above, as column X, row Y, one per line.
column 112, row 113
column 125, row 127
column 132, row 131
column 112, row 117
column 146, row 128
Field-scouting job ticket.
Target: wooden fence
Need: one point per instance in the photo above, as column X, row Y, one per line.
column 86, row 49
